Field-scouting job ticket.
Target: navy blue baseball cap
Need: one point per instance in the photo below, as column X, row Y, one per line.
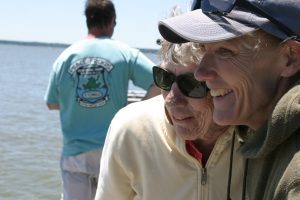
column 217, row 20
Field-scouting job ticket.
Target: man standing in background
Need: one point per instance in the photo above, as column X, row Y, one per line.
column 88, row 85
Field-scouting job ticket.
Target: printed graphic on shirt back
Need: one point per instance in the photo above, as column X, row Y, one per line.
column 90, row 75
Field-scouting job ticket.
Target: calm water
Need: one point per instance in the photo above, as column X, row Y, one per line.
column 29, row 133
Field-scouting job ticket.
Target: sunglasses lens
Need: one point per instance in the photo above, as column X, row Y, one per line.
column 190, row 87
column 162, row 78
column 187, row 83
column 224, row 6
column 196, row 4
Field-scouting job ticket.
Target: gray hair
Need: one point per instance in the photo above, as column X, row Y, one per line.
column 260, row 40
column 183, row 54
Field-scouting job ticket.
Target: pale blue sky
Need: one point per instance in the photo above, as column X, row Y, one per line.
column 62, row 21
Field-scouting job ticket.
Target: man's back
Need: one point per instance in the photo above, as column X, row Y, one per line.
column 90, row 83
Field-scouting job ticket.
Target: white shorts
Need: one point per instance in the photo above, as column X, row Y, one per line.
column 80, row 175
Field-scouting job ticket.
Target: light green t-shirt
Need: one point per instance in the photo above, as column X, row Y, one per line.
column 89, row 81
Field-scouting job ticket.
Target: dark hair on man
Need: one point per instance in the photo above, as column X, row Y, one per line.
column 99, row 13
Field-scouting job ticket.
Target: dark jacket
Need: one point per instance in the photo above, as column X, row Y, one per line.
column 273, row 152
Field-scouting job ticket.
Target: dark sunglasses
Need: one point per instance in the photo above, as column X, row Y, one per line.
column 187, row 83
column 223, row 7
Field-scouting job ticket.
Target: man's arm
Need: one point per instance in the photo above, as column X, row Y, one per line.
column 152, row 91
column 52, row 106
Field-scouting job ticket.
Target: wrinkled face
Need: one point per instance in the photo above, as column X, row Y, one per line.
column 243, row 81
column 191, row 118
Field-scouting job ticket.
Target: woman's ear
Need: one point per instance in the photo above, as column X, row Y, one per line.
column 293, row 53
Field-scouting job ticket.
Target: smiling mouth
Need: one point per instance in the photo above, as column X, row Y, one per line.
column 219, row 92
column 181, row 118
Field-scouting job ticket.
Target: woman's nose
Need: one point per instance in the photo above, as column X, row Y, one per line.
column 175, row 96
column 205, row 70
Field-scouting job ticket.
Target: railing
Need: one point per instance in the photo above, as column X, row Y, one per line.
column 135, row 96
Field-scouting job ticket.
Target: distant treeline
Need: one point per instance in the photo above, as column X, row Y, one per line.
column 57, row 45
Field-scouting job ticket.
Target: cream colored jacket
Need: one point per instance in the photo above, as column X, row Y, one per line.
column 143, row 159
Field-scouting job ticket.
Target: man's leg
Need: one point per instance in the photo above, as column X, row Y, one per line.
column 80, row 175
column 76, row 186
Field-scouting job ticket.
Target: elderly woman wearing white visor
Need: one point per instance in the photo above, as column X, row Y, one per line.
column 251, row 65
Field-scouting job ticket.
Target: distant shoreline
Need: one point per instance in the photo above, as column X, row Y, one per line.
column 33, row 43
column 45, row 44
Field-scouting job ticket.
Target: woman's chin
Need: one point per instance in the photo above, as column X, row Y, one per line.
column 186, row 134
column 221, row 118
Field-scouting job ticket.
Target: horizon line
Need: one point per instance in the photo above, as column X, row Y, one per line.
column 52, row 44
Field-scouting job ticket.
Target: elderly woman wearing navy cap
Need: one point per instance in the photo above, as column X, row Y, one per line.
column 251, row 65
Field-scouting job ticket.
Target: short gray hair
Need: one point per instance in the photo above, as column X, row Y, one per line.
column 183, row 54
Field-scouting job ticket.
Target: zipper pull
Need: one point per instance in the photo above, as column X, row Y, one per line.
column 203, row 176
